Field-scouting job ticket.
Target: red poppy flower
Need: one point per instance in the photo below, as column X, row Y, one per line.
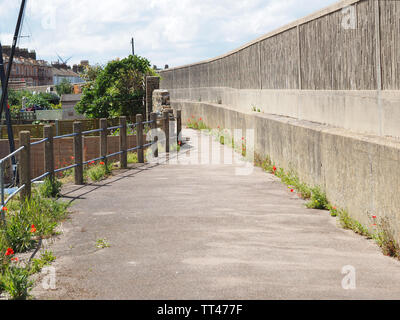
column 72, row 158
column 33, row 229
column 91, row 162
column 9, row 252
column 274, row 168
column 14, row 259
column 102, row 163
column 5, row 209
column 291, row 190
column 200, row 119
column 373, row 217
column 334, row 208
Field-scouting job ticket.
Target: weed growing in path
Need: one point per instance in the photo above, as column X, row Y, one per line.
column 102, row 243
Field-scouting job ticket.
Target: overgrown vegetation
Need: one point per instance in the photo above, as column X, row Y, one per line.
column 117, row 89
column 199, row 124
column 51, row 188
column 100, row 171
column 384, row 237
column 26, row 223
column 20, row 98
column 15, row 281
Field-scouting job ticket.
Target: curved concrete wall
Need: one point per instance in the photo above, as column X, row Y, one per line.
column 323, row 68
column 359, row 173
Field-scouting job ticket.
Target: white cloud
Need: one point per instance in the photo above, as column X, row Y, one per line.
column 170, row 32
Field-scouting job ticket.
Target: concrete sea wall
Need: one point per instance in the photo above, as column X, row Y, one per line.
column 328, row 88
column 339, row 66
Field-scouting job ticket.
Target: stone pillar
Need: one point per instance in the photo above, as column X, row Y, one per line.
column 152, row 83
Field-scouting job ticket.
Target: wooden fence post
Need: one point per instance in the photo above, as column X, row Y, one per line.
column 78, row 153
column 57, row 124
column 166, row 129
column 123, row 158
column 25, row 164
column 103, row 140
column 48, row 133
column 139, row 138
column 178, row 126
column 153, row 117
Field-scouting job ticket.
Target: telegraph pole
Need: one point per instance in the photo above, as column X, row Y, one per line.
column 133, row 46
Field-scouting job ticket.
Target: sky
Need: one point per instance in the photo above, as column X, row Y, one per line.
column 173, row 32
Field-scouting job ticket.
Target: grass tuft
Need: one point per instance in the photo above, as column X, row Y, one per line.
column 51, row 188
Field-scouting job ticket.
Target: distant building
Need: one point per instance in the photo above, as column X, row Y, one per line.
column 26, row 70
column 63, row 72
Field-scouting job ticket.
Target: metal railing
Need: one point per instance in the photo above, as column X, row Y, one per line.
column 24, row 164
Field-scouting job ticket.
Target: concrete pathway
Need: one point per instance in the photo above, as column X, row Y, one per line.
column 192, row 231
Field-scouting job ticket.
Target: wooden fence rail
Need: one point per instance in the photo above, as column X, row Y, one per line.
column 25, row 164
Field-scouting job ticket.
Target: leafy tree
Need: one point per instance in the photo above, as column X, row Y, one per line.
column 64, row 87
column 117, row 89
column 91, row 72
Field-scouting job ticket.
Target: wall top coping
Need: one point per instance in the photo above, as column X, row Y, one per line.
column 314, row 16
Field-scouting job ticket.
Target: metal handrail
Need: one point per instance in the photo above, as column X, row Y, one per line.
column 12, row 196
column 114, row 128
column 39, row 142
column 133, row 149
column 4, row 202
column 66, row 168
column 40, row 177
column 66, row 136
column 92, row 131
column 12, row 154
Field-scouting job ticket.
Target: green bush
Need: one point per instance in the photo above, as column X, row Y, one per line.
column 99, row 171
column 15, row 280
column 51, row 188
column 43, row 213
column 318, row 199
